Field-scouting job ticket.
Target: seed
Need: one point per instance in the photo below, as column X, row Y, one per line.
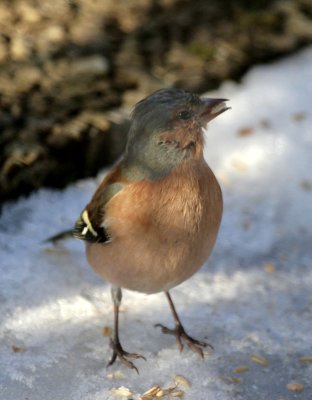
column 299, row 116
column 117, row 375
column 246, row 131
column 177, row 393
column 180, row 380
column 17, row 349
column 152, row 391
column 259, row 360
column 107, row 331
column 307, row 360
column 232, row 379
column 122, row 392
column 295, row 387
column 269, row 267
column 241, row 368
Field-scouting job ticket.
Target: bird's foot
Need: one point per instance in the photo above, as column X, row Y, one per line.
column 122, row 355
column 181, row 336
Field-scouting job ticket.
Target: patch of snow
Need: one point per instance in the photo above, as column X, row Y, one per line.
column 253, row 296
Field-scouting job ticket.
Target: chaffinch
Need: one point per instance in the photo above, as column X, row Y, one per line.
column 154, row 219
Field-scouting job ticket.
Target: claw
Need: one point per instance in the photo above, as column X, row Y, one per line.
column 180, row 334
column 122, row 355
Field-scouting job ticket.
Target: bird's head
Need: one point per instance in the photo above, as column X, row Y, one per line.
column 167, row 128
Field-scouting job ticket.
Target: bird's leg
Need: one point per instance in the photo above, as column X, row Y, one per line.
column 180, row 334
column 118, row 351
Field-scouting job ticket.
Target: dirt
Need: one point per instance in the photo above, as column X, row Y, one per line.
column 70, row 70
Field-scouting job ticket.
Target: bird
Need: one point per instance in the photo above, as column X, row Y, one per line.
column 154, row 219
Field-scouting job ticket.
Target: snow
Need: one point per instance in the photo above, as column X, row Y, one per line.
column 253, row 296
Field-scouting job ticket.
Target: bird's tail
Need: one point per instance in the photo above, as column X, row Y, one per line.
column 59, row 236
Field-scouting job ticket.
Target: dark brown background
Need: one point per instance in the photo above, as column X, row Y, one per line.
column 71, row 69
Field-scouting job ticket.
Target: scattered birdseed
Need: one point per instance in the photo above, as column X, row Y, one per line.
column 180, row 380
column 241, row 368
column 170, row 390
column 246, row 131
column 295, row 387
column 232, row 379
column 107, row 331
column 307, row 360
column 259, row 360
column 18, row 349
column 117, row 375
column 299, row 116
column 158, row 392
column 177, row 393
column 122, row 392
column 269, row 267
column 152, row 391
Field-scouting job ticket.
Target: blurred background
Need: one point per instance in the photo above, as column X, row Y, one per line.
column 71, row 69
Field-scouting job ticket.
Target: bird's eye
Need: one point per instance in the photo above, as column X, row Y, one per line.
column 185, row 114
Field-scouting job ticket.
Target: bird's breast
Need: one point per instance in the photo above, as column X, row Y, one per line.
column 162, row 231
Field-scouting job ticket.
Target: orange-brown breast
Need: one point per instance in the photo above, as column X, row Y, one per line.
column 162, row 231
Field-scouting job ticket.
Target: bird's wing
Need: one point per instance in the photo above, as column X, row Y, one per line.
column 90, row 225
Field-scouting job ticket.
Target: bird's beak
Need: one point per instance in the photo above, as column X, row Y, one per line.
column 211, row 108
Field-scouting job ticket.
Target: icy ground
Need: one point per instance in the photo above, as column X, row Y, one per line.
column 252, row 300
